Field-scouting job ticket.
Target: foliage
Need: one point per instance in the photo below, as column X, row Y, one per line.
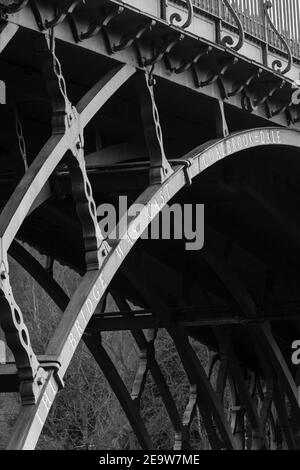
column 86, row 414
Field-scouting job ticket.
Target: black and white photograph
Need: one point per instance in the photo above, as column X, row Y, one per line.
column 149, row 229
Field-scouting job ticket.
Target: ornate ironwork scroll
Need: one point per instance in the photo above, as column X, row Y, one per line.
column 277, row 64
column 177, row 18
column 228, row 40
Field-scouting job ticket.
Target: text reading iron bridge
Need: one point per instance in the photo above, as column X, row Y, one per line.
column 186, row 102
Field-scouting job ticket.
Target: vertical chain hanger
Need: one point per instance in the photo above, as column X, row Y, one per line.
column 160, row 168
column 20, row 137
column 65, row 120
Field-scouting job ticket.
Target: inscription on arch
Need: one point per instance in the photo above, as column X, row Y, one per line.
column 237, row 143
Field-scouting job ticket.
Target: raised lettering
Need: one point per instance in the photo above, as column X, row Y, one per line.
column 263, row 137
column 72, row 341
column 47, row 402
column 84, row 319
column 119, row 251
column 239, row 143
column 279, row 137
column 89, row 306
column 78, row 329
column 96, row 297
column 103, row 283
column 53, row 390
column 245, row 140
column 40, row 419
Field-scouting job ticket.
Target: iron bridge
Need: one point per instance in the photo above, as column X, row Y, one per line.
column 158, row 100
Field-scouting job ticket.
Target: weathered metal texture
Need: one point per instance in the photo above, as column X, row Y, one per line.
column 148, row 35
column 273, row 22
column 257, row 402
column 67, row 134
column 96, row 283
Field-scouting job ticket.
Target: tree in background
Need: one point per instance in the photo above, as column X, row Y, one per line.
column 86, row 413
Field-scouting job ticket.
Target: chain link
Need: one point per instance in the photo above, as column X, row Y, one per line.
column 82, row 192
column 20, row 137
column 57, row 65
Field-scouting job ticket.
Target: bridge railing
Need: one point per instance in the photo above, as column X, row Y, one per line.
column 284, row 14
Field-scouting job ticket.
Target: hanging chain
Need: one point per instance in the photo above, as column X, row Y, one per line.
column 160, row 168
column 64, row 114
column 20, row 137
column 151, row 79
column 57, row 66
column 96, row 247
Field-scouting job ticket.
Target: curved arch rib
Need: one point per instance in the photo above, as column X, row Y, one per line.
column 60, row 298
column 54, row 290
column 95, row 284
column 80, row 309
column 51, row 154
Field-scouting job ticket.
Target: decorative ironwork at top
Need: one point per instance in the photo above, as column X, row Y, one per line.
column 270, row 26
column 228, row 41
column 277, row 64
column 177, row 18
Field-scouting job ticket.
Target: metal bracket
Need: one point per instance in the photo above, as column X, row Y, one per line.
column 216, row 74
column 63, row 11
column 187, row 162
column 294, row 105
column 250, row 104
column 52, row 364
column 187, row 170
column 193, row 59
column 241, row 85
column 163, row 47
column 160, row 168
column 272, row 111
column 133, row 35
column 106, row 15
